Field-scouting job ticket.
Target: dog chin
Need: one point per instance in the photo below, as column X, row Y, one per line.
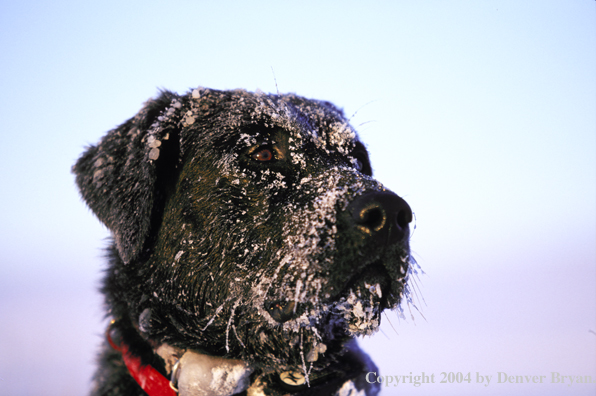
column 354, row 311
column 359, row 306
column 357, row 312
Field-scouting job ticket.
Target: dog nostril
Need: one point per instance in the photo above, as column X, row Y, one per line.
column 372, row 218
column 404, row 217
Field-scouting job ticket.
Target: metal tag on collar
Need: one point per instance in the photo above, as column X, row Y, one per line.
column 292, row 378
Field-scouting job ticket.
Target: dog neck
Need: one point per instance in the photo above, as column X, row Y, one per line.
column 194, row 373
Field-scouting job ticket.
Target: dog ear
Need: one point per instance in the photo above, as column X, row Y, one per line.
column 117, row 177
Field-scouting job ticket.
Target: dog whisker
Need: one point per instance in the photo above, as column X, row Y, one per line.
column 391, row 324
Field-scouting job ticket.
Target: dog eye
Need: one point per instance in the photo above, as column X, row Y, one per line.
column 263, row 155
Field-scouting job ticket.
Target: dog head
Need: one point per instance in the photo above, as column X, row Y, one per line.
column 246, row 225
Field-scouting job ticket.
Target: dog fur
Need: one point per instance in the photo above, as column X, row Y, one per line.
column 246, row 226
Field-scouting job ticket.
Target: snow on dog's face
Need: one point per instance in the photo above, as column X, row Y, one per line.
column 272, row 242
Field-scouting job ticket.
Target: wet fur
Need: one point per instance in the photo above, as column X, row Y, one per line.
column 206, row 238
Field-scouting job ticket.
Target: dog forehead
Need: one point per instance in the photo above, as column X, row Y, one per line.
column 305, row 120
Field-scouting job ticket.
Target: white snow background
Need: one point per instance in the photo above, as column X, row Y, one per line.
column 481, row 114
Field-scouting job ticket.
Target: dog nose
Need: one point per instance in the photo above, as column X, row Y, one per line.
column 382, row 215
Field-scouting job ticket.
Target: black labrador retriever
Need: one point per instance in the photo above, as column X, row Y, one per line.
column 251, row 245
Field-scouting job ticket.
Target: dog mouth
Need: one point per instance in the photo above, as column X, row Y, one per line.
column 361, row 302
column 372, row 280
column 371, row 285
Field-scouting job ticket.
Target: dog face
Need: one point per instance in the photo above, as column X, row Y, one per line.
column 246, row 225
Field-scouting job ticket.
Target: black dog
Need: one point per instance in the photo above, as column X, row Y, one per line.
column 251, row 245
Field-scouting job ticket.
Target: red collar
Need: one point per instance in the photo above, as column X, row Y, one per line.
column 148, row 378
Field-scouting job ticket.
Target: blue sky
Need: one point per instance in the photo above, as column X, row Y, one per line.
column 481, row 114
